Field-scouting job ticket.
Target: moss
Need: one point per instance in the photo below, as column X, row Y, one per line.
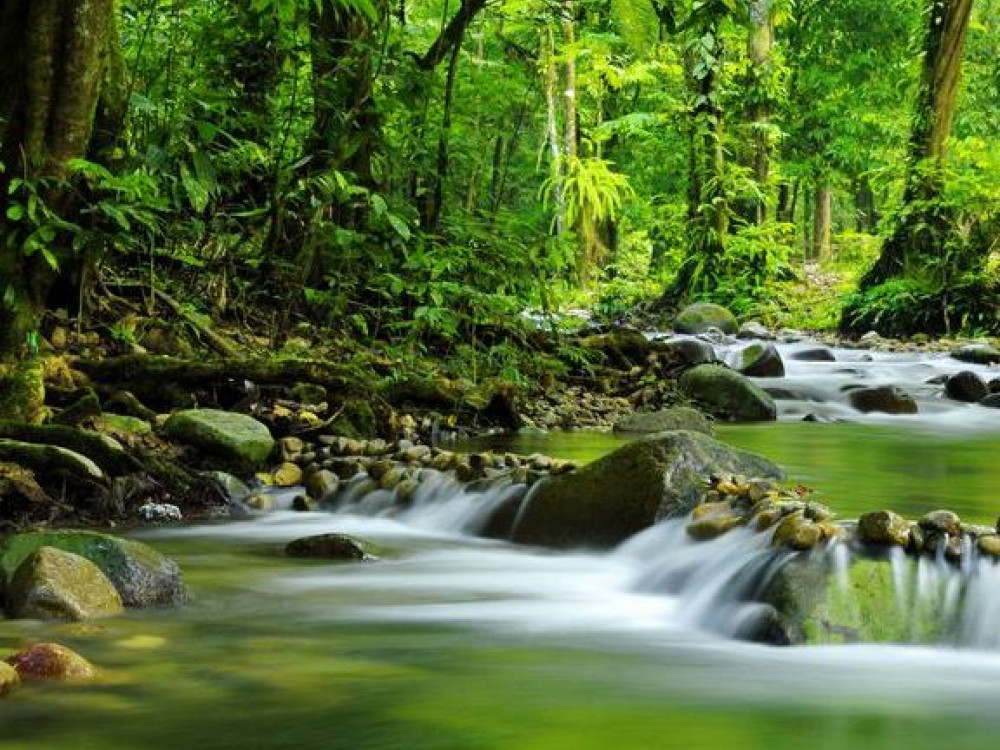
column 22, row 391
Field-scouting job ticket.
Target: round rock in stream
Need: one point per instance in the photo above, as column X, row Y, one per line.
column 966, row 386
column 761, row 361
column 817, row 354
column 885, row 399
column 884, row 527
column 977, row 354
column 326, row 547
column 728, row 395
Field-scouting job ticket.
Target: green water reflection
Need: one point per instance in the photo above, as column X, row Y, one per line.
column 251, row 664
column 855, row 467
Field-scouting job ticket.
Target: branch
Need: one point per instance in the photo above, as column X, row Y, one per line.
column 451, row 35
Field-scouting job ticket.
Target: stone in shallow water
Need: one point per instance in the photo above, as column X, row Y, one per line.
column 966, row 386
column 990, row 545
column 884, row 399
column 728, row 395
column 818, row 354
column 944, row 521
column 53, row 584
column 884, row 527
column 327, row 547
column 9, row 678
column 977, row 354
column 50, row 661
column 761, row 361
column 142, row 576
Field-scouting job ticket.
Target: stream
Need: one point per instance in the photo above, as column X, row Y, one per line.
column 455, row 642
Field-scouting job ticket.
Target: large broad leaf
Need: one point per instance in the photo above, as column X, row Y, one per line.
column 637, row 22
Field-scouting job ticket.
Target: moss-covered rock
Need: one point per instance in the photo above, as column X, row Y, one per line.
column 54, row 584
column 761, row 360
column 118, row 425
column 231, row 437
column 817, row 605
column 884, row 399
column 728, row 395
column 9, row 678
column 665, row 420
column 50, row 661
column 22, row 391
column 619, row 495
column 142, row 576
column 884, row 527
column 700, row 317
column 48, row 458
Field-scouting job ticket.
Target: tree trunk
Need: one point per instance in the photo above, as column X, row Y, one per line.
column 923, row 223
column 556, row 164
column 866, row 212
column 57, row 53
column 822, row 222
column 760, row 51
column 432, row 221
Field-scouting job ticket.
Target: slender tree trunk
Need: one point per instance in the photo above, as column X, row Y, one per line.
column 556, row 163
column 822, row 222
column 760, row 51
column 866, row 212
column 432, row 221
column 923, row 223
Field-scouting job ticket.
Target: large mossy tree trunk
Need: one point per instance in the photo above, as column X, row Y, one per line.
column 924, row 222
column 57, row 55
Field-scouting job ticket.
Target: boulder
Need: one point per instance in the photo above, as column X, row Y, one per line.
column 754, row 330
column 761, row 361
column 142, row 576
column 53, row 584
column 225, row 435
column 326, row 547
column 50, row 661
column 966, row 386
column 991, row 402
column 815, row 354
column 611, row 499
column 287, row 475
column 700, row 317
column 885, row 399
column 665, row 420
column 977, row 354
column 691, row 352
column 322, row 485
column 816, row 607
column 728, row 395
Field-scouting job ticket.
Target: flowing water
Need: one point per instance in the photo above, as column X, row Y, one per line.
column 451, row 641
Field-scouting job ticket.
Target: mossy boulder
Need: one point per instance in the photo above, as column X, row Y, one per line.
column 22, row 391
column 606, row 502
column 235, row 438
column 728, row 395
column 819, row 606
column 703, row 316
column 761, row 360
column 142, row 576
column 54, row 584
column 665, row 420
column 977, row 354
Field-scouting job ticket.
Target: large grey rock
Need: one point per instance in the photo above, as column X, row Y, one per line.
column 728, row 395
column 692, row 352
column 229, row 436
column 761, row 361
column 701, row 317
column 665, row 420
column 754, row 330
column 627, row 491
column 142, row 576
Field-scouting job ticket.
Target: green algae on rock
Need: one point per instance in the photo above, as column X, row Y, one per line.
column 142, row 576
column 228, row 436
column 55, row 584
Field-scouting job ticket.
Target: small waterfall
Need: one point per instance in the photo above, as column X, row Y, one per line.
column 725, row 585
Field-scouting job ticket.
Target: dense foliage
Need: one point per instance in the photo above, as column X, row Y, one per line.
column 424, row 170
